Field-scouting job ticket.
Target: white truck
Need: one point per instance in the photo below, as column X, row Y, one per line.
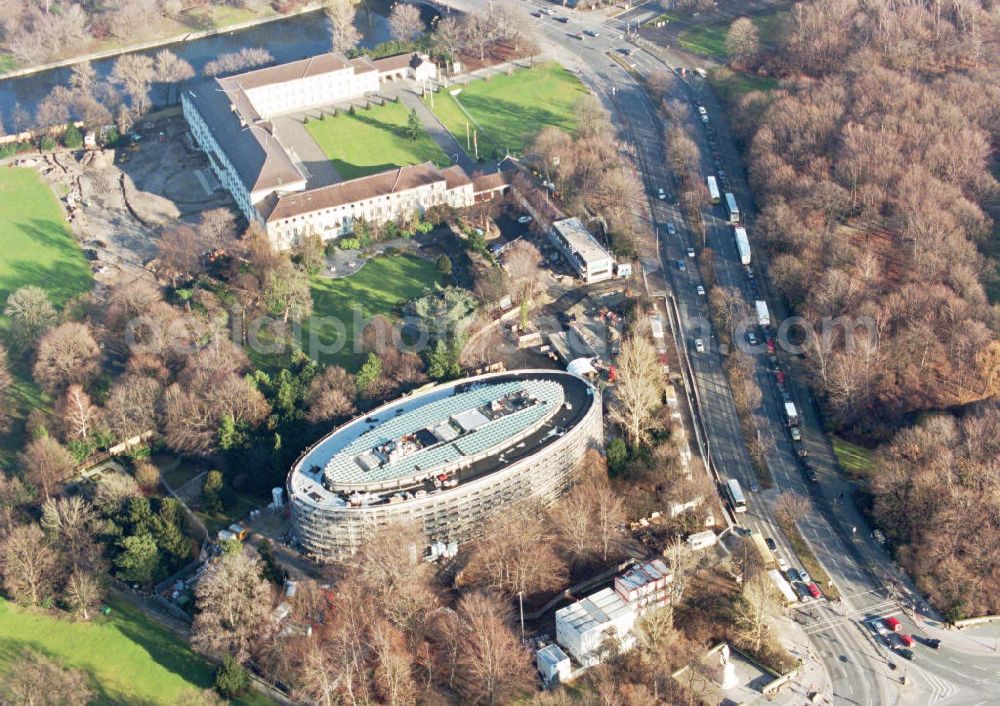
column 784, row 588
column 742, row 244
column 791, row 414
column 763, row 315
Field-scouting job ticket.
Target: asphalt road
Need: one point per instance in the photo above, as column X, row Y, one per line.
column 859, row 666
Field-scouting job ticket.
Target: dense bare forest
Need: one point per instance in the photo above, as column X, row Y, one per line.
column 938, row 494
column 871, row 165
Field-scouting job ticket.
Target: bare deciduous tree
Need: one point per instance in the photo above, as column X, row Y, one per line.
column 234, row 605
column 331, row 395
column 492, row 663
column 340, row 13
column 405, row 22
column 29, row 565
column 77, row 413
column 589, row 519
column 46, row 463
column 516, row 555
column 756, row 605
column 638, row 388
column 742, row 42
column 30, row 313
column 66, row 355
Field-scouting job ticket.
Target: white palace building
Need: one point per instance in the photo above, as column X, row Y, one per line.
column 232, row 121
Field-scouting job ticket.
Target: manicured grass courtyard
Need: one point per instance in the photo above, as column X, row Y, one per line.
column 508, row 111
column 37, row 248
column 377, row 288
column 372, row 141
column 130, row 658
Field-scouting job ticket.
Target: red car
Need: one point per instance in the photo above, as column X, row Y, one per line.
column 906, row 640
column 780, row 375
column 770, row 345
column 893, row 625
column 814, row 590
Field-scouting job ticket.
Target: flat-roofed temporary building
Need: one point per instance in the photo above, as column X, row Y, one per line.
column 645, row 587
column 553, row 665
column 586, row 627
column 587, row 256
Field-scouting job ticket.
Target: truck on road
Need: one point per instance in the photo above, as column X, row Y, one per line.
column 742, row 244
column 763, row 315
column 791, row 414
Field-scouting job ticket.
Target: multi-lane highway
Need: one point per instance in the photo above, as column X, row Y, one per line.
column 861, row 669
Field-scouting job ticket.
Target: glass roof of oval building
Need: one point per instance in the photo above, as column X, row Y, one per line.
column 402, row 445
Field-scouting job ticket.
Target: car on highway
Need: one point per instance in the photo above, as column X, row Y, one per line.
column 796, row 434
column 661, row 194
column 591, row 33
column 906, row 640
column 904, row 652
column 699, row 345
column 536, row 13
column 704, row 119
column 779, row 375
column 754, row 488
column 893, row 624
column 579, row 35
column 701, row 110
column 771, row 544
column 700, row 290
column 671, row 228
column 722, row 175
column 564, row 20
column 814, row 590
column 690, row 252
column 681, row 265
column 931, row 642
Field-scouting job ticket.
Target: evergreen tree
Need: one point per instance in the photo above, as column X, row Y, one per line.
column 139, row 559
column 72, row 137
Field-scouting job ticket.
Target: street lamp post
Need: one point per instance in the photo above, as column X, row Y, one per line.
column 520, row 601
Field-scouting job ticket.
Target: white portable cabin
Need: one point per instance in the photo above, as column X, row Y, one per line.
column 582, row 627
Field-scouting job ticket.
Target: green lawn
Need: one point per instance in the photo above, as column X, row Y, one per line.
column 858, row 461
column 7, row 63
column 131, row 659
column 377, row 288
column 38, row 248
column 372, row 141
column 709, row 39
column 507, row 112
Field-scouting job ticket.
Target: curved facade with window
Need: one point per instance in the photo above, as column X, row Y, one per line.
column 447, row 458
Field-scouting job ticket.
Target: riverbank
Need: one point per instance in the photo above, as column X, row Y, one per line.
column 162, row 42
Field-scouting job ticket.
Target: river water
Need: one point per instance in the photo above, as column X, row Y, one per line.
column 287, row 40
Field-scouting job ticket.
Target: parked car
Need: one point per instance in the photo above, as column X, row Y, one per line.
column 699, row 345
column 893, row 624
column 690, row 252
column 771, row 544
column 905, row 653
column 524, row 219
column 681, row 265
column 793, row 575
column 701, row 110
column 671, row 228
column 906, row 640
column 814, row 590
column 804, row 576
column 700, row 290
column 661, row 194
column 751, row 338
column 782, row 564
column 591, row 33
